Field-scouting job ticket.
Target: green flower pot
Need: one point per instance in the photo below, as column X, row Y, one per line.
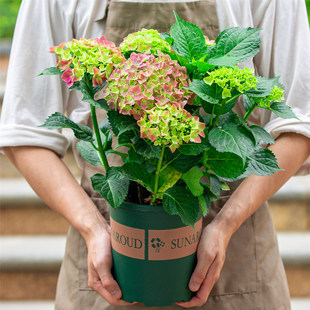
column 154, row 254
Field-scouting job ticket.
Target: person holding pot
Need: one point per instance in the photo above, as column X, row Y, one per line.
column 239, row 265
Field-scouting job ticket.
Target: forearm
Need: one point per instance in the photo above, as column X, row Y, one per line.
column 56, row 186
column 291, row 151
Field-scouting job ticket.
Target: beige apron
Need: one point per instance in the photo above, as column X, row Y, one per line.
column 253, row 275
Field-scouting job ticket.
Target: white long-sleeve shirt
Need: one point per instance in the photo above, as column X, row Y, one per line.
column 29, row 100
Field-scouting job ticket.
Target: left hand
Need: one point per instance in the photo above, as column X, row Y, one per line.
column 210, row 260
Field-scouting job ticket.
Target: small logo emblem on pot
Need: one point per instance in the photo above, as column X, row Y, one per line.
column 157, row 244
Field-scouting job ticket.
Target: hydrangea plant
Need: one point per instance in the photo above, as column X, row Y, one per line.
column 169, row 100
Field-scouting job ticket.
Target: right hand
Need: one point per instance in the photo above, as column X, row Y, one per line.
column 100, row 263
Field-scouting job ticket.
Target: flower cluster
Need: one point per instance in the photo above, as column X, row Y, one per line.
column 276, row 95
column 96, row 57
column 232, row 79
column 171, row 125
column 145, row 81
column 145, row 41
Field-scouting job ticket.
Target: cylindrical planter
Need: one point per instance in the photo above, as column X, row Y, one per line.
column 154, row 254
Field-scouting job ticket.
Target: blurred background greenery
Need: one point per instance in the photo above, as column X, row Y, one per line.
column 9, row 10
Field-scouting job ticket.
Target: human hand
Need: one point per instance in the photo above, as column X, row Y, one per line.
column 210, row 260
column 100, row 264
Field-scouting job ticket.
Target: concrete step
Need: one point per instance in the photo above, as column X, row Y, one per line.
column 297, row 304
column 30, row 265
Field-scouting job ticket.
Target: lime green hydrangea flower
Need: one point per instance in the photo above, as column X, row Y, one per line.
column 93, row 56
column 231, row 79
column 171, row 126
column 145, row 81
column 276, row 95
column 145, row 41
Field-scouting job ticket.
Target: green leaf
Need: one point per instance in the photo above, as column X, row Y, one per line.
column 232, row 138
column 282, row 110
column 88, row 153
column 189, row 40
column 204, row 204
column 215, row 185
column 125, row 139
column 247, row 103
column 51, row 71
column 204, row 91
column 121, row 123
column 194, row 149
column 181, row 162
column 167, row 178
column 226, row 60
column 113, row 187
column 225, row 165
column 58, row 120
column 260, row 134
column 264, row 87
column 147, row 150
column 105, row 126
column 137, row 172
column 179, row 201
column 241, row 43
column 192, row 180
column 263, row 162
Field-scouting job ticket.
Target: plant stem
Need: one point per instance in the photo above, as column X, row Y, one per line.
column 102, row 155
column 247, row 114
column 159, row 163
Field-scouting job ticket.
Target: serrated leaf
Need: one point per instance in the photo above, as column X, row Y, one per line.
column 121, row 123
column 125, row 139
column 225, row 165
column 189, row 40
column 192, row 148
column 241, row 43
column 113, row 187
column 204, row 205
column 247, row 103
column 167, row 178
column 192, row 180
column 282, row 110
column 226, row 60
column 260, row 134
column 147, row 150
column 105, row 126
column 263, row 162
column 58, row 120
column 264, row 86
column 181, row 162
column 215, row 185
column 51, row 71
column 137, row 172
column 232, row 138
column 88, row 153
column 204, row 91
column 179, row 201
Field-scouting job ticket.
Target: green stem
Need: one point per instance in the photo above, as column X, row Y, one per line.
column 100, row 148
column 103, row 158
column 159, row 163
column 247, row 114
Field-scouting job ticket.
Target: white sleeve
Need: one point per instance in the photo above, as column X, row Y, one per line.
column 285, row 52
column 29, row 99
